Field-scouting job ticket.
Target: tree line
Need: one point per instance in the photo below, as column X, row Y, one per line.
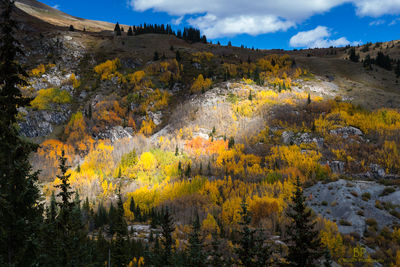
column 188, row 34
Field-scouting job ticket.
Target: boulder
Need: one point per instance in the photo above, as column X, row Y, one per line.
column 347, row 131
column 287, row 137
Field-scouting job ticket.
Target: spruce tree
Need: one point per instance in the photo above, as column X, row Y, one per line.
column 196, row 256
column 156, row 56
column 167, row 227
column 20, row 211
column 119, row 249
column 303, row 240
column 130, row 31
column 117, row 29
column 246, row 245
column 216, row 259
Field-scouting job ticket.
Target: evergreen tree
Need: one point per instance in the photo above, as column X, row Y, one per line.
column 250, row 96
column 308, row 99
column 231, row 142
column 119, row 254
column 178, row 56
column 130, row 31
column 176, row 151
column 71, row 28
column 196, row 255
column 397, row 69
column 216, row 259
column 246, row 250
column 188, row 170
column 156, row 56
column 353, row 56
column 49, row 246
column 303, row 240
column 70, row 228
column 167, row 226
column 20, row 211
column 117, row 29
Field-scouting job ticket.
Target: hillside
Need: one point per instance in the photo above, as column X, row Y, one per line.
column 197, row 127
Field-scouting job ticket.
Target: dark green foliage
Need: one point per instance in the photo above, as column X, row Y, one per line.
column 397, row 69
column 353, row 56
column 117, row 29
column 156, row 56
column 178, row 56
column 216, row 259
column 308, row 99
column 196, row 255
column 246, row 245
column 383, row 61
column 188, row 170
column 167, row 227
column 130, row 32
column 250, row 96
column 71, row 28
column 71, row 235
column 176, row 151
column 20, row 211
column 231, row 142
column 119, row 251
column 302, row 238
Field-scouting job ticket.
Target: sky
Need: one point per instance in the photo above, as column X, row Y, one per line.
column 264, row 24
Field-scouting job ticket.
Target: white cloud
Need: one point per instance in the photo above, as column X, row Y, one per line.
column 376, row 8
column 377, row 22
column 178, row 20
column 56, row 7
column 318, row 38
column 394, row 22
column 229, row 17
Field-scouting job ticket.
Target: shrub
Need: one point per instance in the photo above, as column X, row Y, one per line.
column 366, row 196
column 345, row 223
column 47, row 96
column 387, row 191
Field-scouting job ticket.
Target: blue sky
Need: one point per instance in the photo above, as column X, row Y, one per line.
column 286, row 24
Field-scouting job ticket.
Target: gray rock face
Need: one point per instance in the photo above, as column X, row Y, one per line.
column 115, row 133
column 40, row 123
column 336, row 166
column 377, row 171
column 287, row 137
column 342, row 200
column 347, row 131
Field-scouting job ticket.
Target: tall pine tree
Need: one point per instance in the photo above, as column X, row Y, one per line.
column 196, row 250
column 303, row 240
column 20, row 211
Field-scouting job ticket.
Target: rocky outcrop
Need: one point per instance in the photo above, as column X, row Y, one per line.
column 288, row 138
column 42, row 122
column 343, row 201
column 347, row 131
column 115, row 133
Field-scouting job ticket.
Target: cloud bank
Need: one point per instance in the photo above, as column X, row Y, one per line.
column 318, row 38
column 218, row 18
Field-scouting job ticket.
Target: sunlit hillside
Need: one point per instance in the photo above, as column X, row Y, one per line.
column 216, row 139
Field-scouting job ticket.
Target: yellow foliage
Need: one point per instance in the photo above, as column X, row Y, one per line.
column 38, row 71
column 75, row 82
column 108, row 69
column 231, row 211
column 147, row 161
column 52, row 95
column 147, row 127
column 200, row 84
column 210, row 225
column 331, row 238
column 200, row 56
